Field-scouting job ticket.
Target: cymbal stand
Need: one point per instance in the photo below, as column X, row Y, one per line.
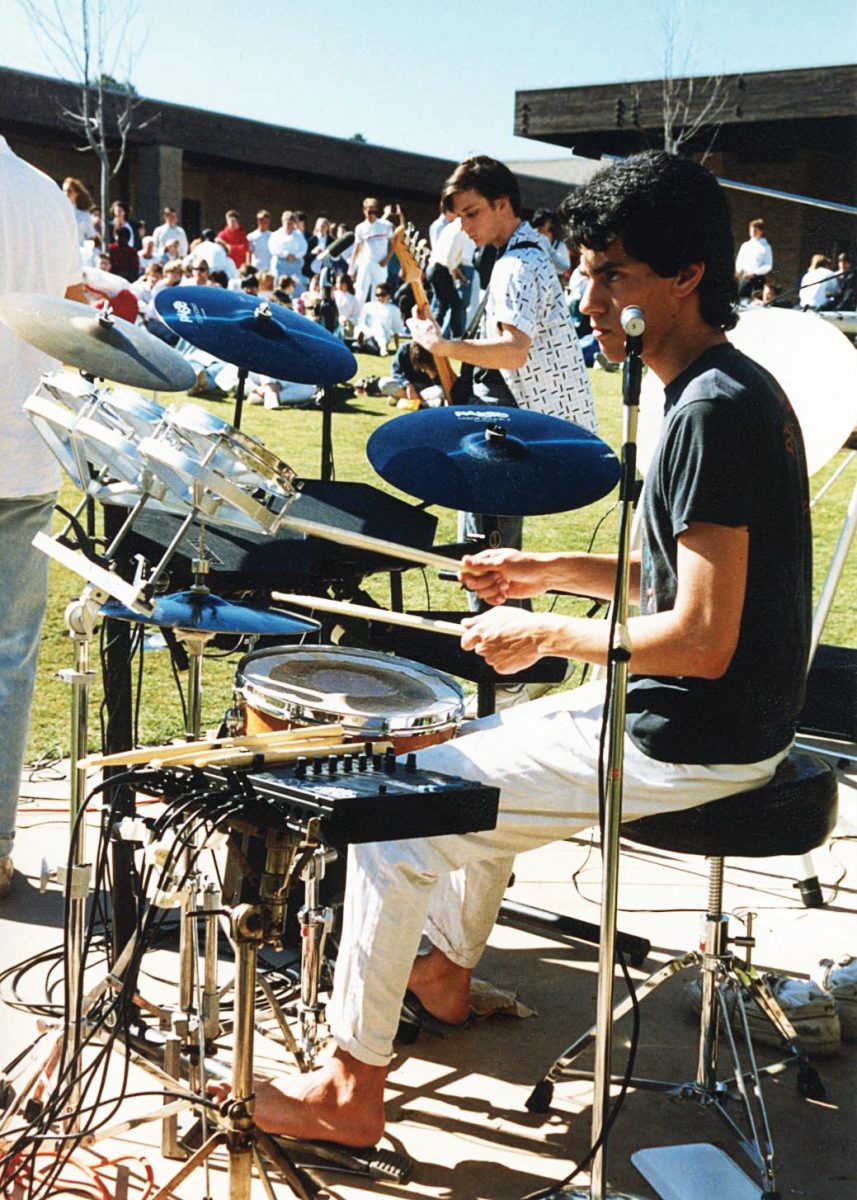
column 81, row 617
column 620, row 652
column 240, row 392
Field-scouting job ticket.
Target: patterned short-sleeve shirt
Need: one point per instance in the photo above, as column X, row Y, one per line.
column 524, row 291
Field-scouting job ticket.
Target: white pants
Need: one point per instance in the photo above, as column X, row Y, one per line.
column 544, row 758
column 369, row 275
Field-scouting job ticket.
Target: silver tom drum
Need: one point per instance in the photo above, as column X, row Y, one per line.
column 372, row 695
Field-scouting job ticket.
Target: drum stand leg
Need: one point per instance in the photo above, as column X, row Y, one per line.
column 316, row 923
column 81, row 617
column 252, row 926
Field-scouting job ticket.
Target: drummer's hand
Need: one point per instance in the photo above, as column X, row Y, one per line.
column 509, row 639
column 425, row 331
column 496, row 576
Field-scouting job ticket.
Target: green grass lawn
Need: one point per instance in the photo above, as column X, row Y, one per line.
column 295, row 435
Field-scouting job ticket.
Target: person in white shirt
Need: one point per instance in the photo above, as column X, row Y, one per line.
column 347, row 305
column 754, row 260
column 288, row 250
column 443, row 218
column 81, row 202
column 545, row 224
column 450, row 280
column 260, row 254
column 380, row 323
column 39, row 234
column 368, row 267
column 214, row 253
column 169, row 231
column 817, row 283
column 148, row 254
column 146, row 284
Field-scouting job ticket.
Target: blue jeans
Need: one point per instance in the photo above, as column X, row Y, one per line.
column 23, row 599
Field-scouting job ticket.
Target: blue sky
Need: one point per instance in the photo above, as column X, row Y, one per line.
column 438, row 78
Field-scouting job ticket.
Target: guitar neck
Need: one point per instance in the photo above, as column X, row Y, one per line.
column 412, row 273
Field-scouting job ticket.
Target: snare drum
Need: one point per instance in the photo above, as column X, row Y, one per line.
column 372, row 695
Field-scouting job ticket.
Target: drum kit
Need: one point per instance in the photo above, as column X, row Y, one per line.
column 313, row 729
column 310, row 711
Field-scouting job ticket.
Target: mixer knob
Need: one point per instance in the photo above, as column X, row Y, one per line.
column 411, row 762
column 348, row 763
column 317, row 764
column 332, row 760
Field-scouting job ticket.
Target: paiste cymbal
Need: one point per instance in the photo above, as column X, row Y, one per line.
column 105, row 347
column 255, row 335
column 488, row 458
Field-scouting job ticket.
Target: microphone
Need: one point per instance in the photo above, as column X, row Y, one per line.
column 336, row 247
column 633, row 322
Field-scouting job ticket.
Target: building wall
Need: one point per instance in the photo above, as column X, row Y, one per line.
column 218, row 186
column 796, row 231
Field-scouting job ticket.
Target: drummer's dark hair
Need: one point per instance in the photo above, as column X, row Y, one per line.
column 488, row 177
column 669, row 212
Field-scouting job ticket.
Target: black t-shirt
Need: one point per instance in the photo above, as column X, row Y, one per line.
column 731, row 453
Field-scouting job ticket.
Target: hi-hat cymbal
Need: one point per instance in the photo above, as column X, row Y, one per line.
column 256, row 336
column 490, row 459
column 207, row 613
column 105, row 347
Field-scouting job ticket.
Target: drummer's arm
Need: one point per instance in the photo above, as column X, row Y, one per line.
column 697, row 636
column 499, row 575
column 76, row 292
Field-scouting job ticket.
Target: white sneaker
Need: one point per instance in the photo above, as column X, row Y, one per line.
column 839, row 979
column 810, row 1010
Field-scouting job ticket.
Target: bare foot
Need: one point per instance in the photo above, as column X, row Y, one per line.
column 342, row 1101
column 441, row 986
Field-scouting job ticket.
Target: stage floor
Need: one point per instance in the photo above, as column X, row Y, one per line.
column 456, row 1105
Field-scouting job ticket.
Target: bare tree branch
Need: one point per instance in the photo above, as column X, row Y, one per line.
column 89, row 51
column 683, row 116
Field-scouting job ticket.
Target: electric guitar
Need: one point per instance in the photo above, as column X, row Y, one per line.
column 413, row 257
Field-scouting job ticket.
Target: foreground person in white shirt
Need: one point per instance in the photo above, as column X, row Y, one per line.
column 40, row 239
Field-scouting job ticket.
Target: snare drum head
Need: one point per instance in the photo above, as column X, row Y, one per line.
column 371, row 694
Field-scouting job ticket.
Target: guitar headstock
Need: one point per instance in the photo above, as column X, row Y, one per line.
column 412, row 253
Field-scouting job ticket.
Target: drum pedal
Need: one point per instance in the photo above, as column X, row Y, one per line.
column 389, row 1165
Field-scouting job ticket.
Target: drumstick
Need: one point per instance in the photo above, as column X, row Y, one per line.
column 271, row 757
column 363, row 541
column 161, row 755
column 386, row 615
column 309, row 743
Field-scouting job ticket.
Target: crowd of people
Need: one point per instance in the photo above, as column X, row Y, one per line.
column 350, row 279
column 820, row 288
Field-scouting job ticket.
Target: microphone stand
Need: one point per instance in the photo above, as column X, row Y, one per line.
column 633, row 324
column 327, row 315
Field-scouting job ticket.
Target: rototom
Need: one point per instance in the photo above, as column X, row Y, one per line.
column 372, row 695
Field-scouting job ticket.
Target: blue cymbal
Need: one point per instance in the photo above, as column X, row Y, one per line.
column 489, row 459
column 250, row 333
column 209, row 614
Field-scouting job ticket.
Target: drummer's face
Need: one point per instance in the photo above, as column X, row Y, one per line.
column 614, row 281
